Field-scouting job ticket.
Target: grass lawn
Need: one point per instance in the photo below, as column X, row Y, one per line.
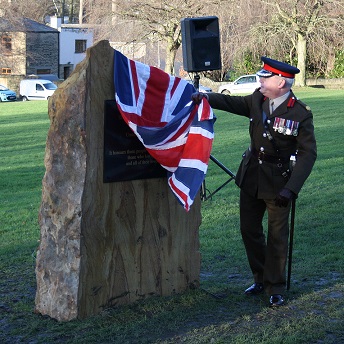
column 217, row 312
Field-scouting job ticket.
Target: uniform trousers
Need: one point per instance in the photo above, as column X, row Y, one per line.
column 267, row 256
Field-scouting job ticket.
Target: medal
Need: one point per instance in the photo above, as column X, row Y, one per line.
column 276, row 124
column 295, row 128
column 288, row 127
column 281, row 128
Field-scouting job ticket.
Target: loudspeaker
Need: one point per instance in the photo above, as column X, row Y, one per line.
column 201, row 44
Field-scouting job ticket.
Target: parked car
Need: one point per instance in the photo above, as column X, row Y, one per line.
column 244, row 84
column 36, row 89
column 7, row 95
column 202, row 88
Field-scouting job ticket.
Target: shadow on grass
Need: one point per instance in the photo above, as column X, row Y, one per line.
column 214, row 313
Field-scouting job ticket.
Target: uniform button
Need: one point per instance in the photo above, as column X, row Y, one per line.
column 261, row 149
column 268, row 121
column 264, row 134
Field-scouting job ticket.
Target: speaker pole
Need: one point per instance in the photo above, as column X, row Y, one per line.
column 196, row 81
column 201, row 52
column 203, row 187
column 204, row 190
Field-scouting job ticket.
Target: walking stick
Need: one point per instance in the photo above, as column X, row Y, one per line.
column 291, row 239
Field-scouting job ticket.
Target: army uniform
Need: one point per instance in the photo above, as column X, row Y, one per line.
column 264, row 171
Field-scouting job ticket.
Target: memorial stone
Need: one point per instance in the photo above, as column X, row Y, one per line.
column 104, row 244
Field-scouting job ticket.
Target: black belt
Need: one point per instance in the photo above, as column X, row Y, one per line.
column 267, row 157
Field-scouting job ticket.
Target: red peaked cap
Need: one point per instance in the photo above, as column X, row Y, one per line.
column 273, row 67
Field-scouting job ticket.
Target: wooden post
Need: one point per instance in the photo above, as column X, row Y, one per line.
column 104, row 244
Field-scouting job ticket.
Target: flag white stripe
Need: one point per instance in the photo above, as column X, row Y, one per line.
column 201, row 131
column 183, row 188
column 194, row 163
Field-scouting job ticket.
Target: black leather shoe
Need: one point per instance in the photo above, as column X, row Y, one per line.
column 255, row 289
column 276, row 300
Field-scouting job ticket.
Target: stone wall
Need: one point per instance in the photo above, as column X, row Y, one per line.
column 326, row 83
column 12, row 82
column 15, row 60
column 42, row 52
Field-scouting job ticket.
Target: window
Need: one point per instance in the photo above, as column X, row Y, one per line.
column 80, row 45
column 43, row 71
column 6, row 71
column 6, row 42
column 243, row 80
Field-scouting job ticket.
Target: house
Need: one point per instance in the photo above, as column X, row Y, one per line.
column 28, row 47
column 74, row 40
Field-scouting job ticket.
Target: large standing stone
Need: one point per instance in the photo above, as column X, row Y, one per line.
column 104, row 244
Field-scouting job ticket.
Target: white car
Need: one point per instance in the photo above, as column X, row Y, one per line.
column 244, row 84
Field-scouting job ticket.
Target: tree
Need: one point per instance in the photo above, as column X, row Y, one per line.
column 32, row 9
column 303, row 32
column 239, row 47
column 301, row 21
column 160, row 21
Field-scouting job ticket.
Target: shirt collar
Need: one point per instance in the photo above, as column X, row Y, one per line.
column 278, row 101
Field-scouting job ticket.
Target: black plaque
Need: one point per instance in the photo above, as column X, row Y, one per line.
column 125, row 157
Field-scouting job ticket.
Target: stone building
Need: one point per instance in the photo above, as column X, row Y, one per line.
column 27, row 47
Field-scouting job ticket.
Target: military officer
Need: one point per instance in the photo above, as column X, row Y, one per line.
column 281, row 131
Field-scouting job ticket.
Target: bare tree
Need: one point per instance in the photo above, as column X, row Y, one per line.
column 306, row 32
column 300, row 21
column 81, row 11
column 160, row 21
column 239, row 47
column 32, row 9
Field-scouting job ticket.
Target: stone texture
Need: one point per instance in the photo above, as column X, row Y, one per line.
column 104, row 244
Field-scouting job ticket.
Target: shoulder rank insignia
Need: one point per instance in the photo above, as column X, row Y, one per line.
column 291, row 102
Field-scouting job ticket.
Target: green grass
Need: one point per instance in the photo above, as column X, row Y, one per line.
column 23, row 130
column 218, row 312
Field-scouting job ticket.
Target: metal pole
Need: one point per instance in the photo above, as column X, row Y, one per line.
column 291, row 240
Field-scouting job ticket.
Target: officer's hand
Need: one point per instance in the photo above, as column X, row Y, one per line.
column 284, row 197
column 197, row 97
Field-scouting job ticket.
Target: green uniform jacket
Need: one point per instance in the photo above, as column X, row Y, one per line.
column 264, row 180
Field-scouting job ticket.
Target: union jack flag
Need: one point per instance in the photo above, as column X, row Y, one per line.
column 177, row 133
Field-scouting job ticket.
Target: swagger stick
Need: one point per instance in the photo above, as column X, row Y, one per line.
column 291, row 239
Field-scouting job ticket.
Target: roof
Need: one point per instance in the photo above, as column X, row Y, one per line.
column 50, row 77
column 24, row 25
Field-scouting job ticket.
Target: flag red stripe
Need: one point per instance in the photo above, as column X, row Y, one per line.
column 135, row 80
column 155, row 93
column 175, row 84
column 167, row 157
column 197, row 147
column 141, row 122
column 181, row 194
